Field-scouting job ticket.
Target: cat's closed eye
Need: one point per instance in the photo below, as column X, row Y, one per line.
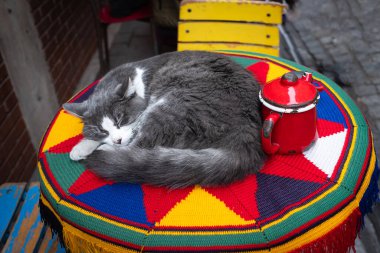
column 95, row 132
column 103, row 131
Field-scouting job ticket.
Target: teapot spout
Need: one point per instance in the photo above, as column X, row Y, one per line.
column 308, row 76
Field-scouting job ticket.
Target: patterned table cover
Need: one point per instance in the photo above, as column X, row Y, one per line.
column 310, row 202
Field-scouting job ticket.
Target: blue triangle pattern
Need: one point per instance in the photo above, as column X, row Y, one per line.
column 122, row 200
column 275, row 193
column 327, row 109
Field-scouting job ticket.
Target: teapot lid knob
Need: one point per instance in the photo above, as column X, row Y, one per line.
column 289, row 78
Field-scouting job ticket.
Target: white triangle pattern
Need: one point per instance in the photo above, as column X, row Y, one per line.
column 326, row 152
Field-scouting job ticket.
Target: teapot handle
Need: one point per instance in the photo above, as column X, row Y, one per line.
column 266, row 134
column 319, row 87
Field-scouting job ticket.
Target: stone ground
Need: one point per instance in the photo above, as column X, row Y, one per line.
column 131, row 41
column 340, row 39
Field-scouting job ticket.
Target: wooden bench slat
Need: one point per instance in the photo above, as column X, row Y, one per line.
column 10, row 196
column 210, row 46
column 246, row 11
column 205, row 31
column 27, row 229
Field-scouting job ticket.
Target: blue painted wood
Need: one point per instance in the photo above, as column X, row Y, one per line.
column 50, row 244
column 10, row 196
column 26, row 231
column 54, row 246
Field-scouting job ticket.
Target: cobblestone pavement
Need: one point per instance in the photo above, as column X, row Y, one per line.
column 341, row 39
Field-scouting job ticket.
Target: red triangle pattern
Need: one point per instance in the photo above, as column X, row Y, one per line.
column 297, row 166
column 326, row 127
column 86, row 182
column 158, row 201
column 260, row 71
column 294, row 167
column 240, row 197
column 67, row 145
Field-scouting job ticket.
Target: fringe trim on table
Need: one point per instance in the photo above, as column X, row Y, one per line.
column 74, row 240
column 333, row 241
column 340, row 239
column 49, row 219
column 75, row 243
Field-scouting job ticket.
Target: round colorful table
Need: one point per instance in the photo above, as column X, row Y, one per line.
column 310, row 202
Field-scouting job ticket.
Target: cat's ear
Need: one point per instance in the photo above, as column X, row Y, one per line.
column 131, row 88
column 76, row 109
column 119, row 90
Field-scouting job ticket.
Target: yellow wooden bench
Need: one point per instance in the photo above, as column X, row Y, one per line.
column 235, row 24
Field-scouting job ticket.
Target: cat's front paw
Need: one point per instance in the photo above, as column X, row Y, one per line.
column 106, row 147
column 77, row 154
column 83, row 149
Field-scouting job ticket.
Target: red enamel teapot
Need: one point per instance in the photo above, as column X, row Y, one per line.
column 289, row 112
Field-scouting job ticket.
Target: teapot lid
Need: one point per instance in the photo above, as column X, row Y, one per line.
column 290, row 93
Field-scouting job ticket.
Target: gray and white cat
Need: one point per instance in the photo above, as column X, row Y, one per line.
column 175, row 120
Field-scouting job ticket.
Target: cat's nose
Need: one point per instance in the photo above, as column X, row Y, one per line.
column 117, row 141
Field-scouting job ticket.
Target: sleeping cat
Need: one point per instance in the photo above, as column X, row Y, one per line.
column 175, row 120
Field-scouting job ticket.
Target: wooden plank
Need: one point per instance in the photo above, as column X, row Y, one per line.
column 27, row 67
column 10, row 196
column 50, row 244
column 228, row 32
column 232, row 10
column 27, row 229
column 229, row 46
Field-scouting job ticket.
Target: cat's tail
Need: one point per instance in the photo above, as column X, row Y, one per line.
column 175, row 168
